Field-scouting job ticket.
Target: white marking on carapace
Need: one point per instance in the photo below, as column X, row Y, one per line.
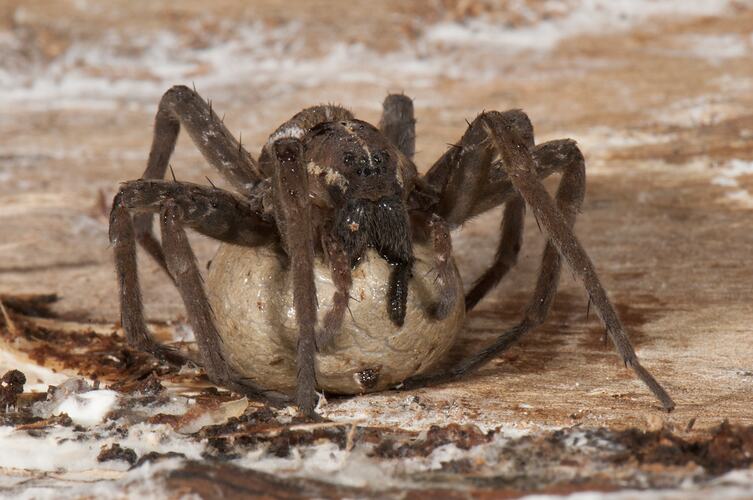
column 399, row 173
column 348, row 126
column 288, row 132
column 331, row 176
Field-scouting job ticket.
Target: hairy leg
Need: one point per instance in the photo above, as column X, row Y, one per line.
column 569, row 198
column 175, row 202
column 554, row 156
column 181, row 263
column 442, row 243
column 398, row 123
column 341, row 277
column 465, row 173
column 506, row 257
column 293, row 214
column 123, row 240
column 211, row 211
column 517, row 161
column 183, row 106
column 549, row 157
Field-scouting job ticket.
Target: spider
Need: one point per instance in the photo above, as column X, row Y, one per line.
column 328, row 187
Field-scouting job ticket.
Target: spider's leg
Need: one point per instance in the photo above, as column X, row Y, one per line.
column 293, row 214
column 210, row 211
column 442, row 243
column 464, row 175
column 398, row 123
column 181, row 263
column 467, row 185
column 569, row 197
column 123, row 240
column 342, row 279
column 183, row 106
column 506, row 257
column 553, row 156
column 517, row 162
column 180, row 205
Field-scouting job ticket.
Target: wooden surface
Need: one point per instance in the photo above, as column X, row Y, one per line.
column 663, row 112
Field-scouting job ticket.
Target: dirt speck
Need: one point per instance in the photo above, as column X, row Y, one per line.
column 116, row 452
column 11, row 385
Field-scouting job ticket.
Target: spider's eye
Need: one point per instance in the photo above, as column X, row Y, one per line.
column 376, row 158
column 349, row 159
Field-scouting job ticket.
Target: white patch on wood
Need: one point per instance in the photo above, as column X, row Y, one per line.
column 728, row 177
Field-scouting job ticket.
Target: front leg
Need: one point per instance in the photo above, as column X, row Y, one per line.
column 181, row 106
column 433, row 229
column 442, row 243
column 293, row 215
column 397, row 293
column 339, row 262
column 181, row 205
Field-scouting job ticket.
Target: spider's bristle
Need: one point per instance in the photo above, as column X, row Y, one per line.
column 588, row 307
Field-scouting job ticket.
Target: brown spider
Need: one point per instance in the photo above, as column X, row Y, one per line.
column 328, row 186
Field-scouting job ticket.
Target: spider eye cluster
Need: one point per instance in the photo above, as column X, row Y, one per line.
column 366, row 166
column 349, row 159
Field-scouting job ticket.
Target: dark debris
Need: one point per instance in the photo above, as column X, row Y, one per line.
column 116, row 452
column 156, row 457
column 463, row 436
column 30, row 304
column 727, row 447
column 11, row 385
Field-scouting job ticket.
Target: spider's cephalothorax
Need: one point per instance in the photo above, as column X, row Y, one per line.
column 361, row 177
column 326, row 191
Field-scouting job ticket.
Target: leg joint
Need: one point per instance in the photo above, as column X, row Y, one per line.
column 559, row 154
column 178, row 93
column 514, row 119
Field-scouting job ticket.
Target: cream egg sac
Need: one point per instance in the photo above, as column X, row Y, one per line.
column 251, row 293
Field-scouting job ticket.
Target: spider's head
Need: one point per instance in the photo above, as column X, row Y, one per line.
column 354, row 160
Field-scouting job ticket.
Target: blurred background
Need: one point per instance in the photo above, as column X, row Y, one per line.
column 658, row 94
